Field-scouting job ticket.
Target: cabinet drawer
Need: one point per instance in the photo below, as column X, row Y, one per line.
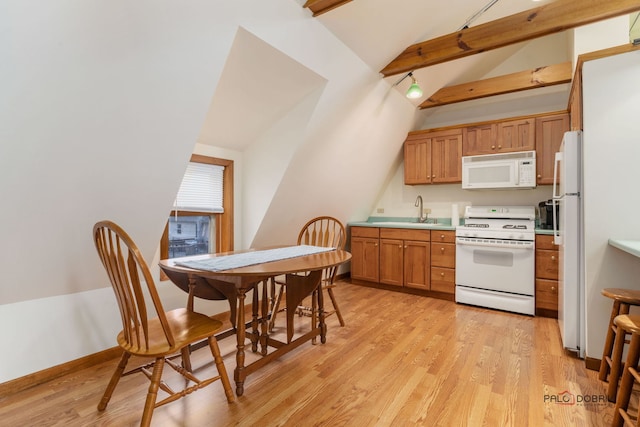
column 443, row 255
column 443, row 236
column 546, row 264
column 443, row 280
column 405, row 234
column 547, row 294
column 365, row 232
column 544, row 241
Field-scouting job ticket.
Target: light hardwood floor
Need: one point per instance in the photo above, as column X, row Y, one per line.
column 401, row 360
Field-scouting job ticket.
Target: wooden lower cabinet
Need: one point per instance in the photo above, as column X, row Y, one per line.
column 404, row 257
column 547, row 258
column 407, row 258
column 443, row 261
column 365, row 253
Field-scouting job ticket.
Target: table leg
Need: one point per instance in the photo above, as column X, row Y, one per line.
column 254, row 335
column 264, row 337
column 239, row 373
column 321, row 323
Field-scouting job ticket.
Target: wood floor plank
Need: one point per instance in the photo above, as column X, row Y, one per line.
column 401, row 360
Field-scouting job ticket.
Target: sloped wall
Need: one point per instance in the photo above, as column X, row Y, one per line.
column 102, row 104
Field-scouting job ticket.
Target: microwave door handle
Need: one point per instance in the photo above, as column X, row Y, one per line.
column 517, row 173
column 556, row 171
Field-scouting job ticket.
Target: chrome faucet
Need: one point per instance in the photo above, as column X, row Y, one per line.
column 421, row 216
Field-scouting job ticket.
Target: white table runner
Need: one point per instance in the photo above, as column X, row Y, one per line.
column 228, row 262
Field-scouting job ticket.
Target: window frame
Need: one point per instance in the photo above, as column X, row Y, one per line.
column 223, row 221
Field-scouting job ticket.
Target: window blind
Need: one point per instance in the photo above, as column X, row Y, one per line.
column 201, row 189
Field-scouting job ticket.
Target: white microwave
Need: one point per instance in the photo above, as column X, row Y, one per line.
column 499, row 171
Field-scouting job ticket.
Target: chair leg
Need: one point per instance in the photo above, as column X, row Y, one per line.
column 335, row 305
column 152, row 394
column 626, row 385
column 276, row 307
column 222, row 371
column 616, row 364
column 186, row 358
column 114, row 381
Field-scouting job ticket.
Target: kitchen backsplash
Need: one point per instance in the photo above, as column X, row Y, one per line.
column 398, row 200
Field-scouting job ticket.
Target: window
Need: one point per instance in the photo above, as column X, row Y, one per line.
column 202, row 217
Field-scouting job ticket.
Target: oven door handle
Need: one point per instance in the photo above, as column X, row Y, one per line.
column 473, row 242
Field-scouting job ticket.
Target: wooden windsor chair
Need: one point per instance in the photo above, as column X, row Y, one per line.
column 325, row 231
column 160, row 337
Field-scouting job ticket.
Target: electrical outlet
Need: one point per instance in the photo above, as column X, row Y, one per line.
column 426, row 211
column 380, row 210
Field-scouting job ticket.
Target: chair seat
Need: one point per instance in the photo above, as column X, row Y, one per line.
column 187, row 326
column 627, row 296
column 629, row 322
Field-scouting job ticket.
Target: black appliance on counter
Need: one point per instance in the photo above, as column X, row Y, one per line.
column 546, row 214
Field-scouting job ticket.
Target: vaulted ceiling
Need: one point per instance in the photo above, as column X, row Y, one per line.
column 454, row 48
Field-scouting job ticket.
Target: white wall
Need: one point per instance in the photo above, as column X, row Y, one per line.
column 611, row 203
column 102, row 106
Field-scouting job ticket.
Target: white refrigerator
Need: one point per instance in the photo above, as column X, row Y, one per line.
column 568, row 234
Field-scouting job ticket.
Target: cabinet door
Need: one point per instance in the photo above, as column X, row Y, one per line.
column 443, row 280
column 479, row 139
column 364, row 258
column 417, row 160
column 549, row 133
column 416, row 264
column 546, row 264
column 446, row 157
column 516, row 135
column 547, row 294
column 443, row 254
column 391, row 261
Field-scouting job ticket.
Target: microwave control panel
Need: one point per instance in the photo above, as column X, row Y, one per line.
column 527, row 170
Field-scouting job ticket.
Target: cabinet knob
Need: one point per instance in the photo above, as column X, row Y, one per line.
column 442, row 236
column 493, row 147
column 553, row 257
column 553, row 288
column 539, row 176
column 499, row 147
column 441, row 274
column 433, row 176
column 400, row 246
column 441, row 249
column 375, row 244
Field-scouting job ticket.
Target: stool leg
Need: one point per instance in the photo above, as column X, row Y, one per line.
column 616, row 364
column 608, row 343
column 626, row 386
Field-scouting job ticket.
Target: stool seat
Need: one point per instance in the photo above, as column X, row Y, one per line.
column 627, row 324
column 611, row 363
column 627, row 296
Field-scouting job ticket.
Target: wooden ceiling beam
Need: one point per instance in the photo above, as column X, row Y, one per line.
column 554, row 17
column 318, row 7
column 523, row 80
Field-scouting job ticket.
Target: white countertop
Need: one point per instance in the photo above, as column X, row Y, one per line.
column 629, row 246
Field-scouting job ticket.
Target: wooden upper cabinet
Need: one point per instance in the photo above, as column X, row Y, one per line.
column 446, row 157
column 433, row 157
column 549, row 133
column 417, row 159
column 479, row 139
column 516, row 135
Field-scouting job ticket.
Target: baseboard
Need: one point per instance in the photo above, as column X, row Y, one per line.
column 592, row 363
column 40, row 377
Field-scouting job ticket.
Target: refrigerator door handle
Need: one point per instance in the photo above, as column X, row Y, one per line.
column 556, row 180
column 557, row 238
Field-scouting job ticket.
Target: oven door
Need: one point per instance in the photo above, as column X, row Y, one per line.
column 504, row 266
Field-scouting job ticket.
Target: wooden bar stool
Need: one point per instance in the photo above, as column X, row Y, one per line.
column 627, row 324
column 611, row 364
